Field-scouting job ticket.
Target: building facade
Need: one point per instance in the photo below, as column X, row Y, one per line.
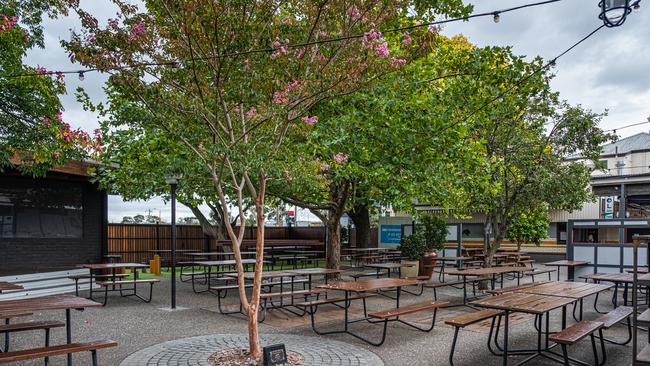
column 51, row 223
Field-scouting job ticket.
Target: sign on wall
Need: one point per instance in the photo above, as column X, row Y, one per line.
column 390, row 234
column 609, row 207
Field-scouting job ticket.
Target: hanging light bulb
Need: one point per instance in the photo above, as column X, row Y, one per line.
column 81, row 76
column 497, row 17
column 614, row 12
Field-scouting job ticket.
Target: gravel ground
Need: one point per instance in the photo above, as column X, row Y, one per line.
column 136, row 325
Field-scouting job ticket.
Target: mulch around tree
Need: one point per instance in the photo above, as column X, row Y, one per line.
column 240, row 357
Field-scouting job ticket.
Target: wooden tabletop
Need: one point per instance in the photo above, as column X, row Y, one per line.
column 314, row 271
column 53, row 302
column 610, row 277
column 567, row 263
column 453, row 259
column 225, row 262
column 369, row 285
column 6, row 286
column 525, row 303
column 574, row 290
column 265, row 274
column 225, row 254
column 386, row 265
column 113, row 265
column 487, row 271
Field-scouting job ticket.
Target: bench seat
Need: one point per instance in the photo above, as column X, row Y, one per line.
column 264, row 284
column 87, row 276
column 443, row 284
column 128, row 282
column 410, row 309
column 15, row 314
column 464, row 320
column 270, row 295
column 332, row 300
column 43, row 352
column 613, row 317
column 36, row 325
column 576, row 332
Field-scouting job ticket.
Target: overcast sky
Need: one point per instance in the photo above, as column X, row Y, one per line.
column 609, row 71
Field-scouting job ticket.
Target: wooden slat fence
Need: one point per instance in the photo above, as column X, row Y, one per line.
column 134, row 241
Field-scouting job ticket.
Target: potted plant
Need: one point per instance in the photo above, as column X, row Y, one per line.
column 412, row 248
column 435, row 235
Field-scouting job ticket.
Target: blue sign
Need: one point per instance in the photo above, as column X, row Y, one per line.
column 391, row 234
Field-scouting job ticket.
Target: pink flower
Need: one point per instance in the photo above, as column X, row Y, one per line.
column 395, row 61
column 59, row 76
column 56, row 154
column 138, row 29
column 310, row 120
column 433, row 29
column 322, row 33
column 406, row 39
column 251, row 113
column 236, row 109
column 98, row 133
column 354, row 13
column 59, row 116
column 382, row 50
column 46, row 121
column 113, row 22
column 370, row 38
column 340, row 158
column 40, row 70
column 280, row 97
column 299, row 52
column 324, row 167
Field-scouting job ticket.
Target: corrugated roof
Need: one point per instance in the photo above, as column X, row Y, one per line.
column 640, row 141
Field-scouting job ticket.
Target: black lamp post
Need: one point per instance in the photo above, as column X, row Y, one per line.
column 614, row 12
column 173, row 182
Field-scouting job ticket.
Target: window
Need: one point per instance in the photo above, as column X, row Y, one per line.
column 53, row 211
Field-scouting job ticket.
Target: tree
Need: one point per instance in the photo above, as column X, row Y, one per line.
column 527, row 134
column 529, row 226
column 387, row 145
column 33, row 135
column 187, row 74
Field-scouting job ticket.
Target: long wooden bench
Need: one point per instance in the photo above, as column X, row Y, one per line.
column 436, row 286
column 362, row 274
column 468, row 319
column 538, row 272
column 332, row 300
column 45, row 352
column 614, row 317
column 575, row 333
column 7, row 329
column 107, row 284
column 76, row 279
column 393, row 315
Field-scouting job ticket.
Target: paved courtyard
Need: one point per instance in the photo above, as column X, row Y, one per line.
column 198, row 331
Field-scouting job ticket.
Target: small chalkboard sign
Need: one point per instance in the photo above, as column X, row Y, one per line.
column 275, row 355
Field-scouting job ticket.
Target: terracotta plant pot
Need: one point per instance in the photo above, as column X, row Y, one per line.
column 409, row 268
column 427, row 262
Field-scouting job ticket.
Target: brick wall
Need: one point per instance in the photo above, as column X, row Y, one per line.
column 29, row 255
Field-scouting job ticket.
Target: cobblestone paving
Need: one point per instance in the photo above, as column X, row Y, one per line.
column 196, row 350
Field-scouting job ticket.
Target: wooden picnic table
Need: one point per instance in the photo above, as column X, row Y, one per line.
column 113, row 267
column 219, row 263
column 219, row 254
column 574, row 290
column 52, row 302
column 618, row 279
column 458, row 260
column 570, row 265
column 520, row 302
column 8, row 286
column 387, row 266
column 364, row 286
column 489, row 271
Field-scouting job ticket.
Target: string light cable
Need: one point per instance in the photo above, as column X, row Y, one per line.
column 495, row 14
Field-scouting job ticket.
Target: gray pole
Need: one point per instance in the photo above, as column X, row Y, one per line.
column 173, row 246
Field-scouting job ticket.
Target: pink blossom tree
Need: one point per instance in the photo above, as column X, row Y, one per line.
column 220, row 83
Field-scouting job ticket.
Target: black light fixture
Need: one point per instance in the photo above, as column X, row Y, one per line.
column 614, row 12
column 173, row 182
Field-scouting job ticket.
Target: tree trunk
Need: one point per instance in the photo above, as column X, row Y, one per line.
column 334, row 240
column 360, row 215
column 253, row 331
column 217, row 231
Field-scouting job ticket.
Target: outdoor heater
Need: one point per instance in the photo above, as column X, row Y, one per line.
column 614, row 12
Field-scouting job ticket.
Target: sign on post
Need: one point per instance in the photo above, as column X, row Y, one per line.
column 390, row 234
column 609, row 208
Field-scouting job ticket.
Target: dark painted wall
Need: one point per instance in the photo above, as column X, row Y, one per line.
column 29, row 255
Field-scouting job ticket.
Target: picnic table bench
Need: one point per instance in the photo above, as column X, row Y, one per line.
column 53, row 302
column 464, row 320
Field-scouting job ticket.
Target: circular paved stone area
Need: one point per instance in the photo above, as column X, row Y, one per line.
column 196, row 350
